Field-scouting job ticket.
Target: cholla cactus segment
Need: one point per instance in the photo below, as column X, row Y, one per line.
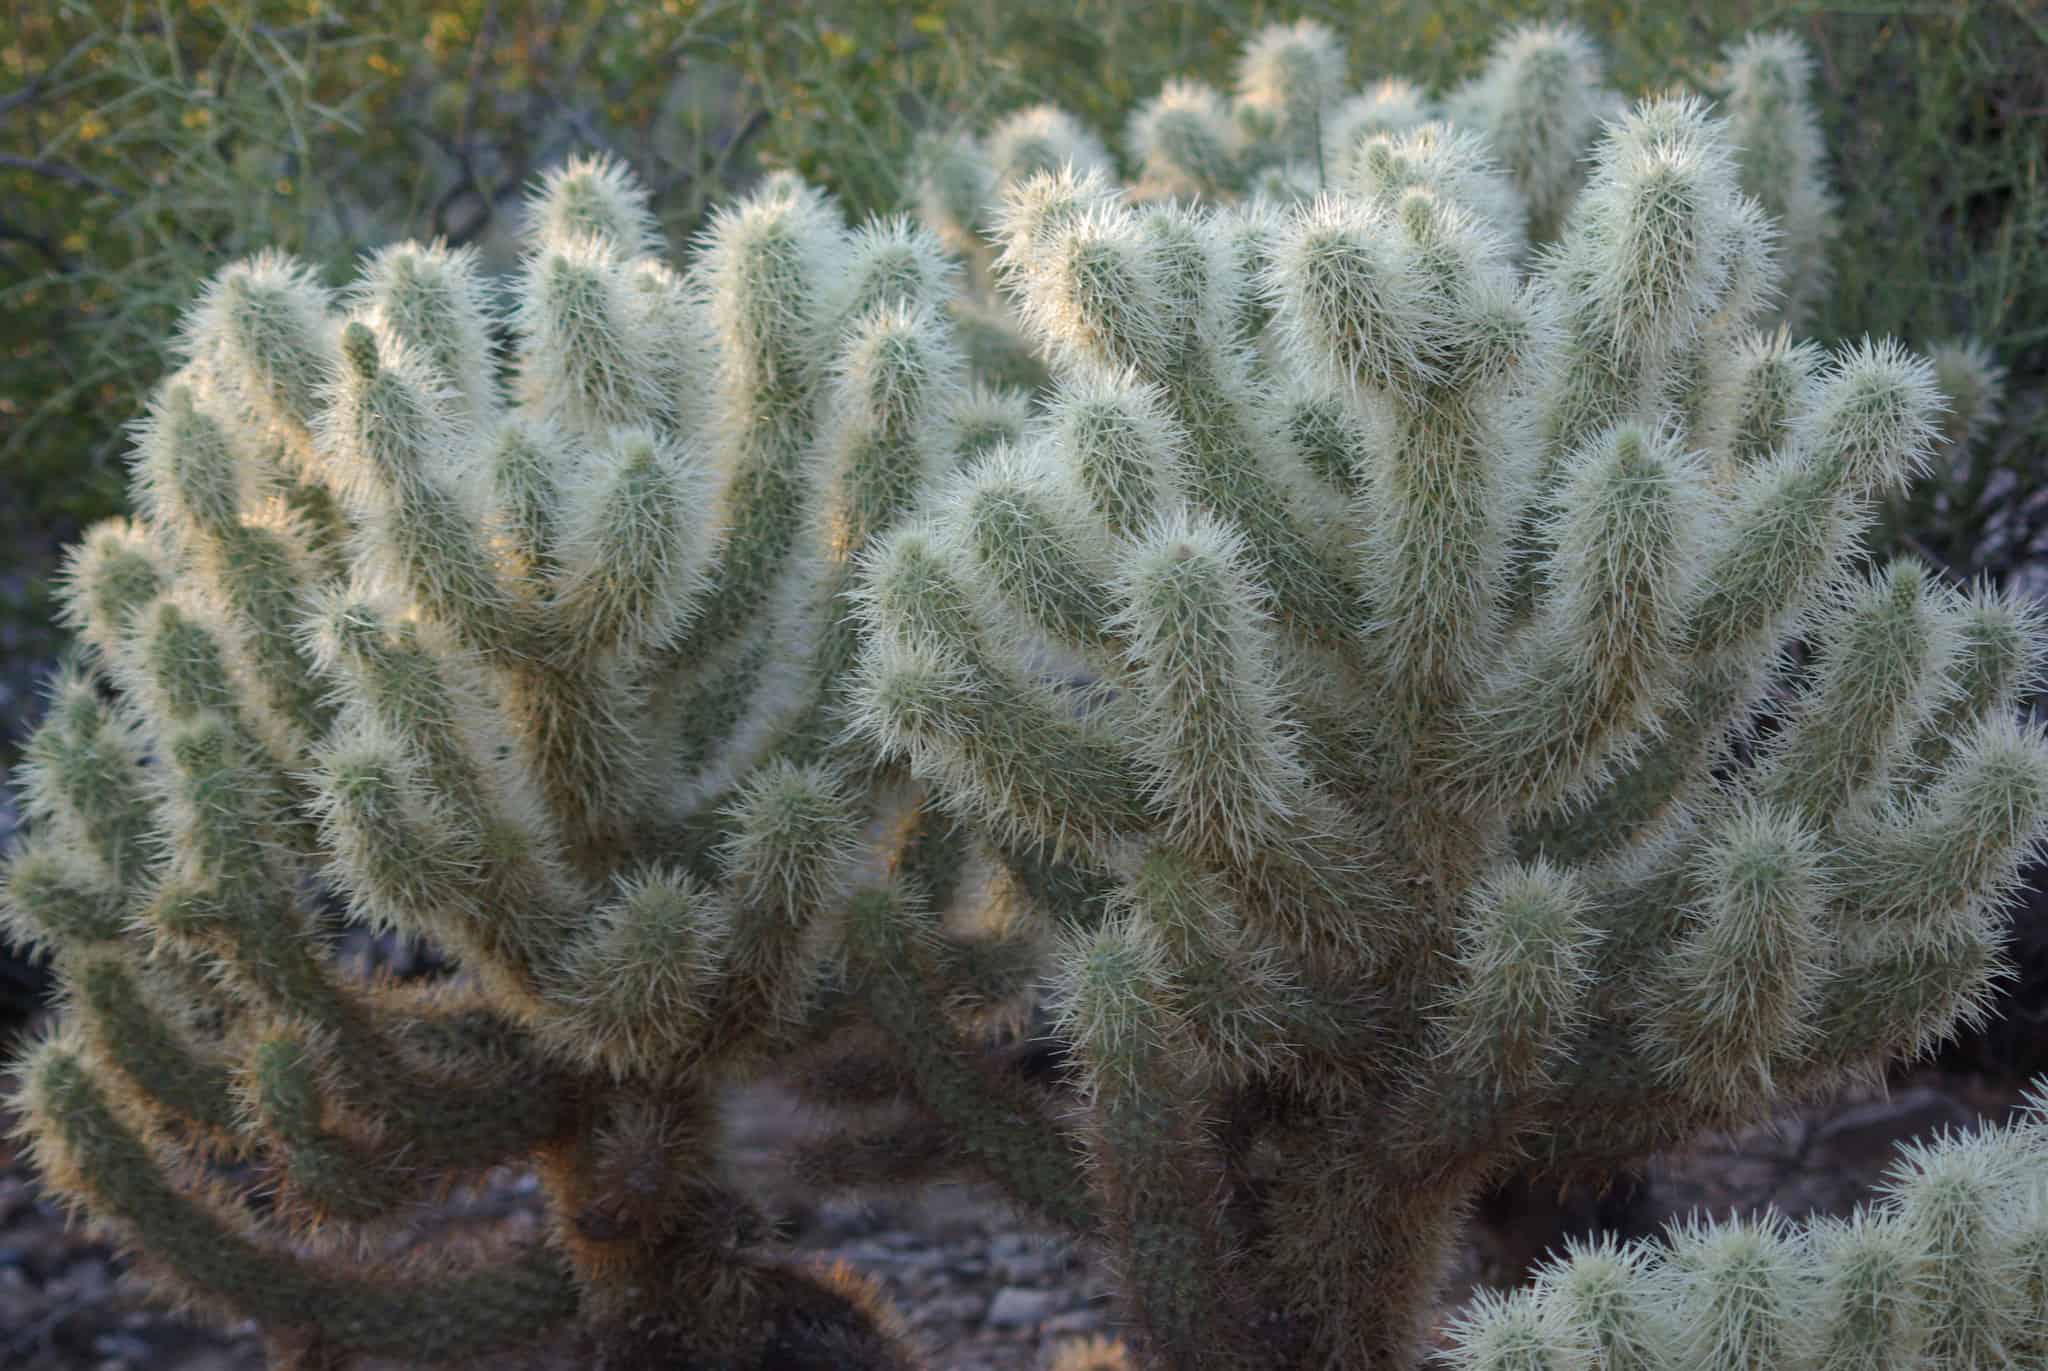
column 1882, row 656
column 1866, row 1309
column 1600, row 1289
column 593, row 197
column 1540, row 104
column 1735, row 1287
column 1123, row 445
column 1653, row 242
column 1949, row 1199
column 632, row 558
column 1525, row 960
column 1775, row 127
column 587, row 357
column 1287, row 77
column 1043, row 138
column 112, row 572
column 1742, row 983
column 1031, row 534
column 1749, row 406
column 386, row 641
column 84, row 782
column 1603, row 659
column 1515, row 1333
column 432, row 301
column 1387, row 108
column 1455, row 165
column 1878, row 408
column 1036, row 208
column 1218, row 750
column 1868, row 424
column 1185, row 143
column 264, row 325
column 890, row 262
column 1974, row 383
column 638, row 987
column 955, row 190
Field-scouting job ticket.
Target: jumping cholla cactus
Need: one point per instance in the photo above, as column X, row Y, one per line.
column 1949, row 1269
column 1398, row 608
column 548, row 676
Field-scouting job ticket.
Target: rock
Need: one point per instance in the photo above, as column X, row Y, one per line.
column 120, row 1347
column 1014, row 1307
column 1035, row 1265
column 15, row 1197
column 965, row 1308
column 1864, row 1135
column 82, row 1282
column 1074, row 1323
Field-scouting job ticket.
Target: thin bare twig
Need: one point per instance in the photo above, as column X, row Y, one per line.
column 60, row 171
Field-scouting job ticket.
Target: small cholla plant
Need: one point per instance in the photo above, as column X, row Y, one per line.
column 1376, row 624
column 532, row 649
column 1947, row 1269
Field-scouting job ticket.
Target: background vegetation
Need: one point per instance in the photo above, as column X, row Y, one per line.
column 142, row 146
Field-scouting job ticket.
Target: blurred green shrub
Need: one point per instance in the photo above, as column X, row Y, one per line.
column 141, row 146
column 144, row 146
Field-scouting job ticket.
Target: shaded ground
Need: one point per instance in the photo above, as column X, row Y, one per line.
column 982, row 1292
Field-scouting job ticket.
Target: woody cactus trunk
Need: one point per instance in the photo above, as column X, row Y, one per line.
column 543, row 672
column 1411, row 593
